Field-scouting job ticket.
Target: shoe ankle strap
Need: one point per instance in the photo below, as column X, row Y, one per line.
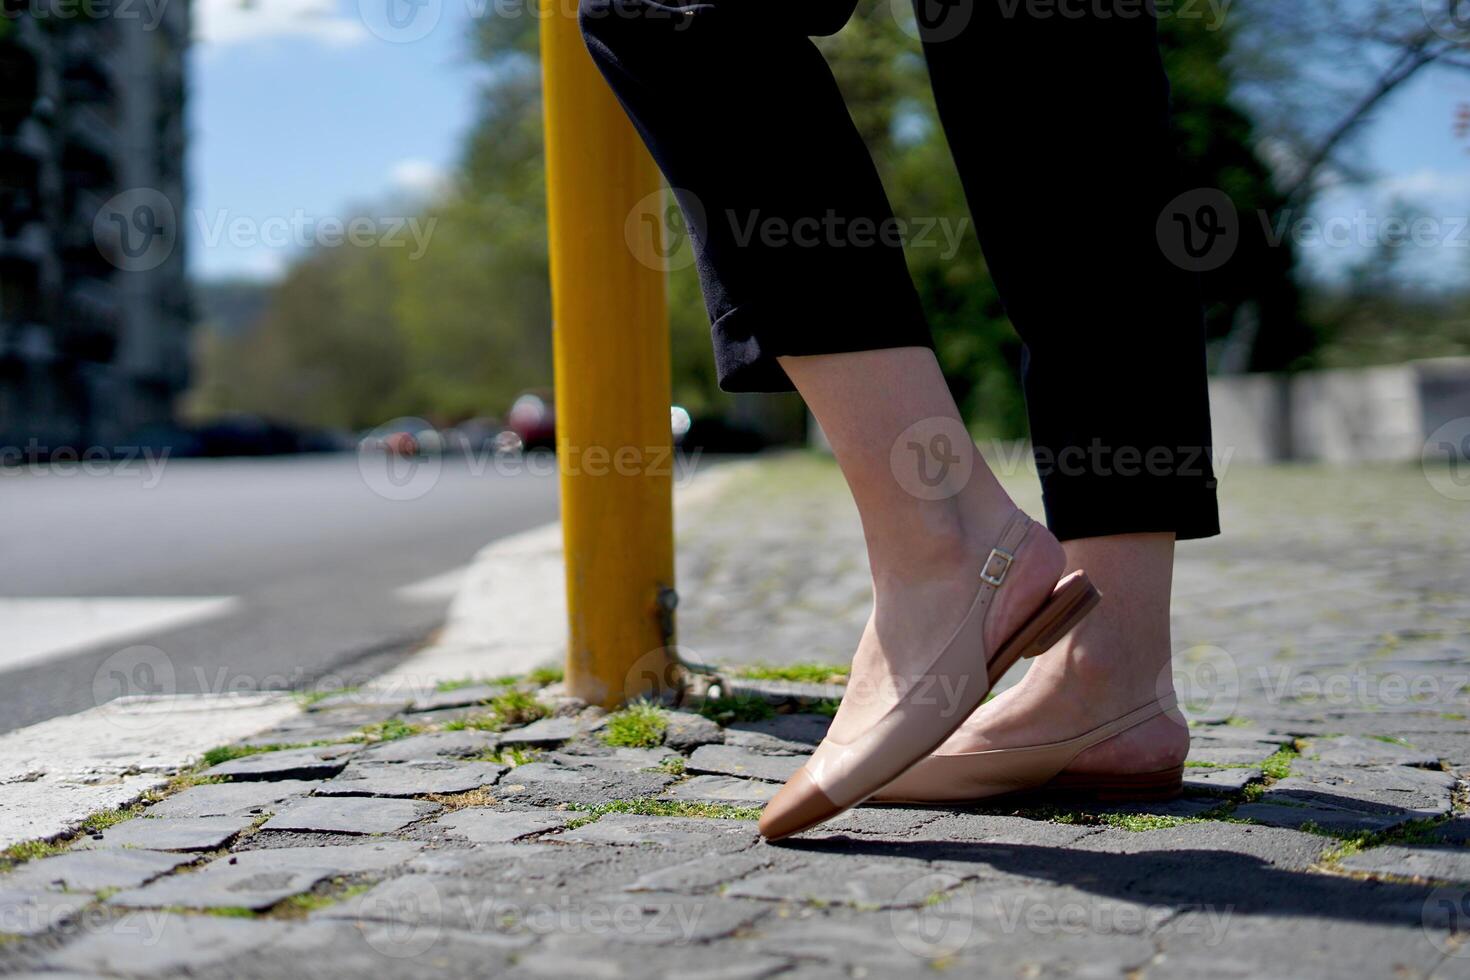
column 1134, row 718
column 998, row 562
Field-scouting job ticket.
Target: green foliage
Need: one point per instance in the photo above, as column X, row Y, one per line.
column 357, row 335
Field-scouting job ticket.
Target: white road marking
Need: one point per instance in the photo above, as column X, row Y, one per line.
column 436, row 588
column 32, row 630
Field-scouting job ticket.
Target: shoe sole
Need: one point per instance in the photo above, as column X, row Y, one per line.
column 1132, row 787
column 1069, row 603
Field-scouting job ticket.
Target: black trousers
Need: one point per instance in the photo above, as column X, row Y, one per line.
column 1059, row 125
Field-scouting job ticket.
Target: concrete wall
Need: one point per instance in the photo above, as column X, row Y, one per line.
column 1378, row 414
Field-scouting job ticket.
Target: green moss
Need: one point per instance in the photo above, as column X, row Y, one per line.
column 308, row 698
column 648, row 807
column 96, row 823
column 1138, row 822
column 743, row 707
column 444, row 687
column 1350, row 842
column 802, row 673
column 227, row 753
column 512, row 756
column 31, row 850
column 1278, row 764
column 674, row 765
column 227, row 912
column 826, row 706
column 641, row 725
column 299, row 906
column 391, row 730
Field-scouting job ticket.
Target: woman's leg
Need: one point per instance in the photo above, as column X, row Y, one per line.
column 931, row 510
column 806, row 285
column 793, row 233
column 1059, row 127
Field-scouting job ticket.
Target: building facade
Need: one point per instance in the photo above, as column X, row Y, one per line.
column 94, row 301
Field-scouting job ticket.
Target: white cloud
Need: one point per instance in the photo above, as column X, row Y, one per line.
column 1427, row 183
column 419, row 177
column 224, row 22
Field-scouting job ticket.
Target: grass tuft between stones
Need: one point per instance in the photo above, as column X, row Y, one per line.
column 308, row 698
column 641, row 725
column 391, row 730
column 740, row 707
column 512, row 756
column 228, row 753
column 546, row 675
column 508, row 710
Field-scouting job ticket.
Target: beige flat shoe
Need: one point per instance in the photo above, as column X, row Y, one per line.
column 839, row 776
column 968, row 777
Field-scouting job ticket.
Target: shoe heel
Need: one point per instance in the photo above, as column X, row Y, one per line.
column 1081, row 599
column 1068, row 605
column 1143, row 787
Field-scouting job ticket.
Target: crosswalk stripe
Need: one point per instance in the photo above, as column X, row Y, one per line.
column 36, row 629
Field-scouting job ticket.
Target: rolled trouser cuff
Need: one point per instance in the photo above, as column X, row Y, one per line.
column 749, row 338
column 1177, row 495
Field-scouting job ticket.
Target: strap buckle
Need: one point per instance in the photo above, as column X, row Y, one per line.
column 996, row 578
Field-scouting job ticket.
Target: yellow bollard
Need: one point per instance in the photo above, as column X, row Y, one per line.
column 611, row 349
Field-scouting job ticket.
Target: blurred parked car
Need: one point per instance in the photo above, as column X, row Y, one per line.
column 247, row 435
column 532, row 418
column 403, row 437
column 239, row 434
column 474, row 436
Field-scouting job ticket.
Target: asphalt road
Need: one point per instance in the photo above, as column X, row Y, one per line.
column 234, row 575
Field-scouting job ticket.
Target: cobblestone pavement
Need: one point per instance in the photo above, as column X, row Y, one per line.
column 492, row 829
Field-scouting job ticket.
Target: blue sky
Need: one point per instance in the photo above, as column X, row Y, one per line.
column 303, row 110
